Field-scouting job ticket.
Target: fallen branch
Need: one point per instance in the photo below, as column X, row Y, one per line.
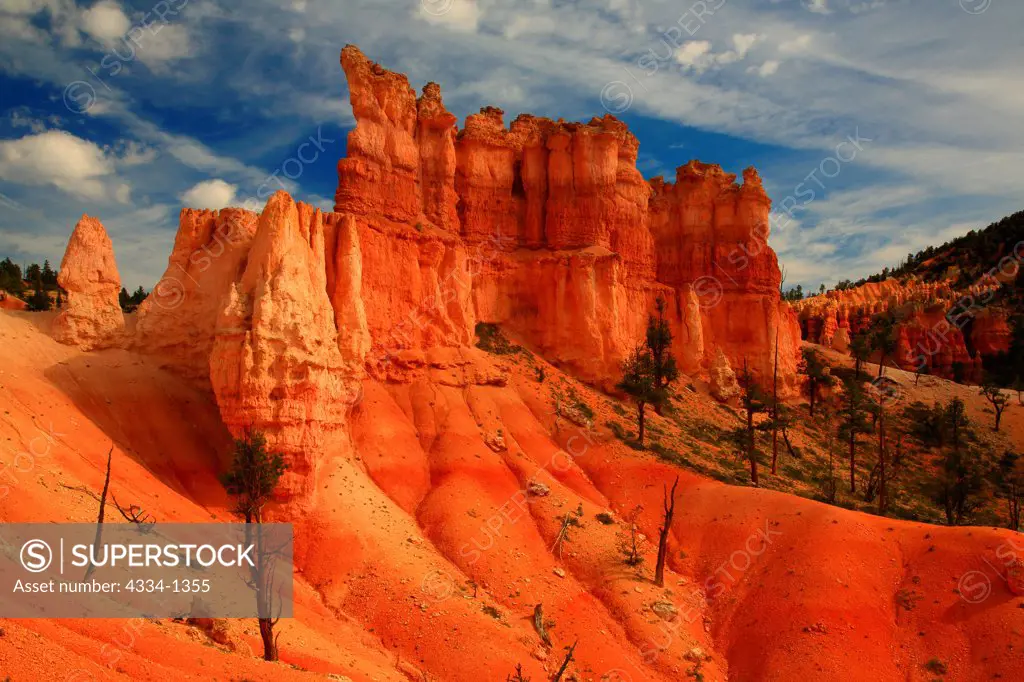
column 81, row 489
column 557, row 547
column 566, row 662
column 538, row 623
column 135, row 513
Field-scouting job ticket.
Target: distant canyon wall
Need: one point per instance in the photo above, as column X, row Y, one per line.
column 942, row 331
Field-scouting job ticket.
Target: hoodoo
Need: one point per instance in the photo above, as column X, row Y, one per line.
column 545, row 228
column 92, row 317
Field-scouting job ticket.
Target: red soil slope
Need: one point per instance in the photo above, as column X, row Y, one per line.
column 431, row 543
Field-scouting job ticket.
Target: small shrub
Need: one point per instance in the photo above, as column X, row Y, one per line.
column 491, row 611
column 617, row 430
column 936, row 667
column 605, row 518
column 907, row 599
column 540, row 374
column 493, row 341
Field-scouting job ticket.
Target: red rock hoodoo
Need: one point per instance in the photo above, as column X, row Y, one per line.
column 92, row 317
column 941, row 330
column 563, row 240
column 545, row 228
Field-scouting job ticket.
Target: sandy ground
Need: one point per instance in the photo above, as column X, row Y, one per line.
column 432, row 546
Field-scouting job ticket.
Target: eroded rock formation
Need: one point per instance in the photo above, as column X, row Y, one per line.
column 559, row 228
column 275, row 363
column 941, row 330
column 545, row 228
column 91, row 317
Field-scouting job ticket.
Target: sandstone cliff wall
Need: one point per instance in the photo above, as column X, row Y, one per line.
column 546, row 228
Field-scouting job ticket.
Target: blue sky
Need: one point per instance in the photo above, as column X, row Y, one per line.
column 128, row 110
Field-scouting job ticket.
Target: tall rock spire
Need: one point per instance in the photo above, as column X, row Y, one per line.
column 92, row 316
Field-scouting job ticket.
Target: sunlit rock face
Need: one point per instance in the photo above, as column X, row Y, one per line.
column 563, row 240
column 91, row 318
column 940, row 330
column 545, row 228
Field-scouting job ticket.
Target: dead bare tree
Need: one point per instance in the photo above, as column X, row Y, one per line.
column 518, row 677
column 775, row 406
column 99, row 518
column 135, row 514
column 566, row 662
column 563, row 533
column 630, row 547
column 670, row 510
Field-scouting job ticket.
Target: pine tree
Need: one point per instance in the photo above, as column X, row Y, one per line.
column 659, row 343
column 884, row 340
column 252, row 479
column 11, row 278
column 958, row 485
column 754, row 401
column 853, row 421
column 638, row 383
column 860, row 349
column 48, row 276
column 999, row 400
column 39, row 301
column 819, row 374
column 1011, row 486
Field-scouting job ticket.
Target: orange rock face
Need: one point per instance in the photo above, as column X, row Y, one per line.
column 177, row 321
column 92, row 316
column 544, row 228
column 275, row 363
column 947, row 332
column 559, row 230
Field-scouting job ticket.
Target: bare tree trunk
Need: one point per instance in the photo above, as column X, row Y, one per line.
column 99, row 519
column 832, row 483
column 640, row 423
column 853, row 463
column 269, row 643
column 751, row 447
column 789, row 446
column 812, row 390
column 775, row 406
column 882, row 502
column 670, row 510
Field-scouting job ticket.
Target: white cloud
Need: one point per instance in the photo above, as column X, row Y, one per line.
column 817, row 6
column 105, row 21
column 799, row 44
column 212, row 194
column 459, row 15
column 694, row 54
column 697, row 55
column 742, row 42
column 164, row 43
column 58, row 158
column 131, row 153
column 526, row 24
column 769, row 68
column 296, row 35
